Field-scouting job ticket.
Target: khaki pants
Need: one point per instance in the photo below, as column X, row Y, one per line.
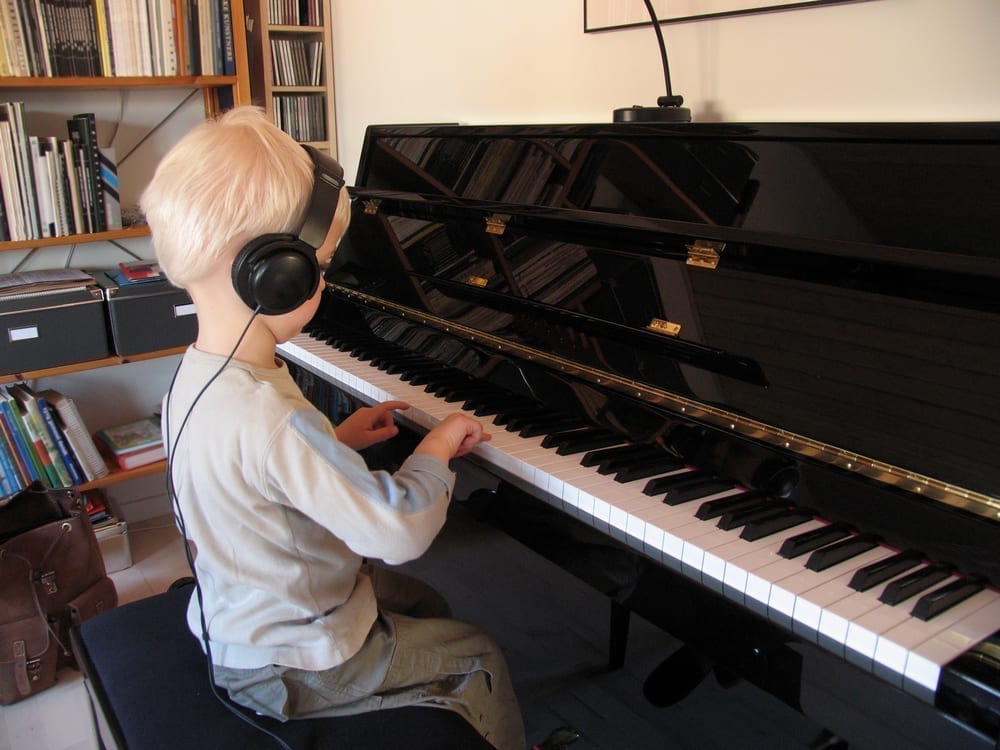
column 414, row 654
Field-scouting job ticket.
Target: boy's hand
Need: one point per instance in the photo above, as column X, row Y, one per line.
column 455, row 436
column 369, row 425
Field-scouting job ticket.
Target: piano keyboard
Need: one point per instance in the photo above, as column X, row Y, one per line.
column 821, row 606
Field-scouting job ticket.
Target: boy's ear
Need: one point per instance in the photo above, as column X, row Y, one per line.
column 275, row 273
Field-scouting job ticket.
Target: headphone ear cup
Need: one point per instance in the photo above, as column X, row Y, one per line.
column 276, row 273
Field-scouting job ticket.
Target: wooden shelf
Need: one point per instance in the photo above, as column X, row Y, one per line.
column 113, row 82
column 117, row 475
column 128, row 233
column 92, row 364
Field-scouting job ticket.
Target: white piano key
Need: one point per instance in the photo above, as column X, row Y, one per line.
column 878, row 637
column 925, row 662
column 895, row 644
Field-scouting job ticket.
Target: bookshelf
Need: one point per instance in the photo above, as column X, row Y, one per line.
column 296, row 90
column 218, row 92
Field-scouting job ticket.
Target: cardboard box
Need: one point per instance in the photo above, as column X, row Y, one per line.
column 52, row 328
column 115, row 547
column 148, row 316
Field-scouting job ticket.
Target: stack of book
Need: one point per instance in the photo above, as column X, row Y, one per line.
column 42, row 437
column 133, row 444
column 52, row 186
column 50, row 38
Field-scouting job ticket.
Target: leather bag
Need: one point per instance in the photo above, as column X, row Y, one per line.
column 52, row 576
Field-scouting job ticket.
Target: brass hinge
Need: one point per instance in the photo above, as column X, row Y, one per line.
column 371, row 206
column 666, row 327
column 704, row 253
column 497, row 223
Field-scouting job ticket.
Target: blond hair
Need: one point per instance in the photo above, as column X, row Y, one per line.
column 225, row 182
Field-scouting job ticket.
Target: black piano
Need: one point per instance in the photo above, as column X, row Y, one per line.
column 758, row 365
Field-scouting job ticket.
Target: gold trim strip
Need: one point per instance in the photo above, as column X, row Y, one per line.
column 854, row 463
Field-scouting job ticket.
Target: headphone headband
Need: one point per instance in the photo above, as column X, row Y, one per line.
column 276, row 273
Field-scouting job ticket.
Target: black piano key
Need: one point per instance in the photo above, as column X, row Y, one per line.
column 421, row 374
column 720, row 506
column 517, row 422
column 775, row 522
column 662, row 485
column 595, row 457
column 569, row 442
column 939, row 600
column 736, row 518
column 649, row 468
column 402, row 366
column 447, row 379
column 813, row 540
column 882, row 570
column 483, row 406
column 913, row 583
column 826, row 557
column 615, row 464
column 535, row 429
column 695, row 489
column 512, row 410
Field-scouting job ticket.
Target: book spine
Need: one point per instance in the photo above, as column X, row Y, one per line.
column 10, row 443
column 83, row 131
column 10, row 477
column 228, row 53
column 48, row 446
column 74, row 475
column 109, row 187
column 29, row 465
column 79, row 437
column 46, row 469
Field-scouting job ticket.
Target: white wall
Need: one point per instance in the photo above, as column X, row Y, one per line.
column 503, row 61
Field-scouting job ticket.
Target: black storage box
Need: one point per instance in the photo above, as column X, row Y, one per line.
column 49, row 329
column 148, row 316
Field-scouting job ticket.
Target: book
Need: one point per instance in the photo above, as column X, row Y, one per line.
column 109, row 185
column 55, row 431
column 133, row 436
column 27, row 461
column 13, row 453
column 137, row 458
column 45, row 446
column 83, row 132
column 139, row 271
column 96, row 505
column 76, row 433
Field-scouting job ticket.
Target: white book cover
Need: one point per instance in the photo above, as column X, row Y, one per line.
column 11, row 186
column 43, row 186
column 79, row 225
column 77, row 434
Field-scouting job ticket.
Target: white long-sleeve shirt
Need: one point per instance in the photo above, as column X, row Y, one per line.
column 281, row 514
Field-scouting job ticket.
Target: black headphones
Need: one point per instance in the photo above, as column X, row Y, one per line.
column 275, row 273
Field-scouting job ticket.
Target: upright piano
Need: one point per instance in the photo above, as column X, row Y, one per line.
column 760, row 361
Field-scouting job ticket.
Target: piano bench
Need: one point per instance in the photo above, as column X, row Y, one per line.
column 148, row 686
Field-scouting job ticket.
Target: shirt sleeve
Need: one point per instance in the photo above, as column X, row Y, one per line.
column 389, row 516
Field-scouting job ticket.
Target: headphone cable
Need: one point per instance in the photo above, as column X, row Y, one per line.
column 175, row 502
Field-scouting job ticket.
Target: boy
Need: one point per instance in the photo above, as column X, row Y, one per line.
column 277, row 505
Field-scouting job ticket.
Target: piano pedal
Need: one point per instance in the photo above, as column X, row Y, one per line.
column 676, row 677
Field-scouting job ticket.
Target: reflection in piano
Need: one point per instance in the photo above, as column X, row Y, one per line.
column 760, row 362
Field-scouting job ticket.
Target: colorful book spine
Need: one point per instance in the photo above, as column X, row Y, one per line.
column 35, row 428
column 22, row 480
column 59, row 440
column 31, row 463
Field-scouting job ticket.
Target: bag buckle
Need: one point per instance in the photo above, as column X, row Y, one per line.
column 48, row 581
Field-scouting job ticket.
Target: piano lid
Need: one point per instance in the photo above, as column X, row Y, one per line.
column 828, row 289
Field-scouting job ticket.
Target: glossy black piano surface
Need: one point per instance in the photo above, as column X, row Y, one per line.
column 806, row 311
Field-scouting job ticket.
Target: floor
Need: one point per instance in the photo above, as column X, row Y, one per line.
column 552, row 627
